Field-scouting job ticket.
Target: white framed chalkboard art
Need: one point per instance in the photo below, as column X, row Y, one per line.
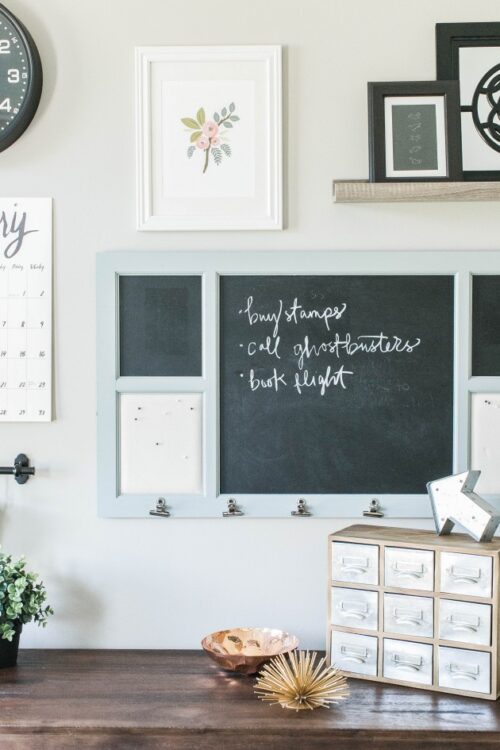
column 209, row 138
column 224, row 379
column 414, row 131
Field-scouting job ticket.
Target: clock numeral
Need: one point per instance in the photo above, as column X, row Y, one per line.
column 5, row 105
column 13, row 75
column 4, row 46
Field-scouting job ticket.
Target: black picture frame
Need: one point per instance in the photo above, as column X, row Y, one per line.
column 377, row 94
column 450, row 37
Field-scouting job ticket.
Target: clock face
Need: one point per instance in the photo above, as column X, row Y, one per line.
column 20, row 78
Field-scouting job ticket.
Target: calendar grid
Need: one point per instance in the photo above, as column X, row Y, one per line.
column 25, row 309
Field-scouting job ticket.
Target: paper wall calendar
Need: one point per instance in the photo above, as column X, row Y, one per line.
column 25, row 309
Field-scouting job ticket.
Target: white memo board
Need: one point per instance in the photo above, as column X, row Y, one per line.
column 161, row 443
column 485, row 441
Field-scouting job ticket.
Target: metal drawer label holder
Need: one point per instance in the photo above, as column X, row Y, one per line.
column 354, row 653
column 464, row 575
column 407, row 662
column 359, row 610
column 468, row 623
column 408, row 616
column 357, row 564
column 408, row 569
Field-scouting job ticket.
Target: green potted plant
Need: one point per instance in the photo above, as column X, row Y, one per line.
column 22, row 599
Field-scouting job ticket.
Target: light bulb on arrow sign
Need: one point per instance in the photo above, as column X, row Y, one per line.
column 454, row 501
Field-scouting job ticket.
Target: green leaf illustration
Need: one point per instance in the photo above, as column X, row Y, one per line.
column 234, row 118
column 195, row 136
column 232, row 107
column 191, row 151
column 224, row 112
column 217, row 154
column 190, row 123
column 227, row 124
column 216, row 116
column 226, row 148
column 200, row 116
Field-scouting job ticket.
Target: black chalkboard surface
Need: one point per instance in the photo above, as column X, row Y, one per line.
column 160, row 325
column 335, row 384
column 486, row 325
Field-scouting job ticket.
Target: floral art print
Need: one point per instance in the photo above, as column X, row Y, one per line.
column 210, row 137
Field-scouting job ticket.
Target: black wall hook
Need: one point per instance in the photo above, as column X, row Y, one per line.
column 21, row 471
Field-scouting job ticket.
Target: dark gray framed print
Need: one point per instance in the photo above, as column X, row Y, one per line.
column 414, row 130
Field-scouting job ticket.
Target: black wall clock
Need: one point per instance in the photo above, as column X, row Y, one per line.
column 21, row 78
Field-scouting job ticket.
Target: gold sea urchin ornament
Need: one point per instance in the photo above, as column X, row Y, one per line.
column 295, row 681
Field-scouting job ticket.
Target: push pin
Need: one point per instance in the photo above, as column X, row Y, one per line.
column 232, row 509
column 161, row 509
column 301, row 508
column 375, row 510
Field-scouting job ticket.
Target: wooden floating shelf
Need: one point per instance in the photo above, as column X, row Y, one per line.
column 362, row 191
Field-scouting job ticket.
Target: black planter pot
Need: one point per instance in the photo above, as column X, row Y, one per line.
column 9, row 649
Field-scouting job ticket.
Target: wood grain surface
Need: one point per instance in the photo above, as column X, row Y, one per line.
column 361, row 191
column 180, row 700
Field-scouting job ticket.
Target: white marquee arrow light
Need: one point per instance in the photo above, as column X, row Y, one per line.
column 454, row 501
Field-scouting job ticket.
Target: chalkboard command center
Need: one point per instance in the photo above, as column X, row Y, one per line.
column 334, row 377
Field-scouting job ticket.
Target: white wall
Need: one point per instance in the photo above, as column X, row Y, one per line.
column 154, row 583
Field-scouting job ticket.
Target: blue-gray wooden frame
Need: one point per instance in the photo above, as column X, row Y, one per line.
column 210, row 266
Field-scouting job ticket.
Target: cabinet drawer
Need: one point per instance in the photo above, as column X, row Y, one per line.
column 464, row 670
column 354, row 653
column 357, row 563
column 355, row 608
column 406, row 661
column 465, row 621
column 409, row 615
column 466, row 574
column 409, row 568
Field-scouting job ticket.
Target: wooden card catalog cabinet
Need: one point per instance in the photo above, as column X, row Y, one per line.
column 408, row 607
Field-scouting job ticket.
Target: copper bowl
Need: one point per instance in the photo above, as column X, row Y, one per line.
column 246, row 650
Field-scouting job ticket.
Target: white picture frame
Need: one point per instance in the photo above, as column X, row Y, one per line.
column 209, row 138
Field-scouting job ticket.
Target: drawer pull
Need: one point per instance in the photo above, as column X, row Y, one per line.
column 351, row 653
column 408, row 570
column 459, row 672
column 461, row 622
column 464, row 575
column 407, row 662
column 408, row 617
column 355, row 564
column 358, row 610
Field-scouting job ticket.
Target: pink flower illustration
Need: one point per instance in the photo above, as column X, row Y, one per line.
column 212, row 137
column 210, row 128
column 203, row 142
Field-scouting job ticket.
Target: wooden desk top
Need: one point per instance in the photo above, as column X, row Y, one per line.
column 179, row 700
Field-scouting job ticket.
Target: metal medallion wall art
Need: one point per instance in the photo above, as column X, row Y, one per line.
column 470, row 54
